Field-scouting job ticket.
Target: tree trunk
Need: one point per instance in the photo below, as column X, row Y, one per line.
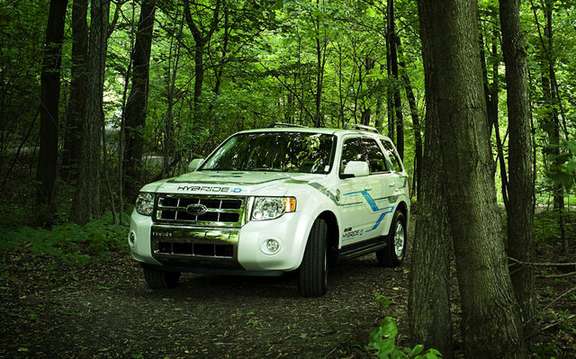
column 429, row 296
column 491, row 319
column 86, row 205
column 49, row 103
column 521, row 214
column 493, row 118
column 201, row 38
column 392, row 41
column 78, row 91
column 320, row 64
column 417, row 127
column 137, row 101
column 171, row 75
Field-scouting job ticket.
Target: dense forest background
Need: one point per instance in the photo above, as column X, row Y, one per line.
column 100, row 97
column 179, row 78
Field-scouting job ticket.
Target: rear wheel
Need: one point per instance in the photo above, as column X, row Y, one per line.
column 313, row 274
column 158, row 279
column 393, row 254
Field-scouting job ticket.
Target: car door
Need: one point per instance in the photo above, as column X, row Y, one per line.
column 355, row 210
column 364, row 202
column 381, row 190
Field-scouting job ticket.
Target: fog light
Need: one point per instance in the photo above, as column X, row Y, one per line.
column 132, row 238
column 270, row 246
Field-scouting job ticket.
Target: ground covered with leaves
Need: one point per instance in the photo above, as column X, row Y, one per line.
column 75, row 292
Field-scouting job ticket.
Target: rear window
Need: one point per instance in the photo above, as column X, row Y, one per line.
column 395, row 162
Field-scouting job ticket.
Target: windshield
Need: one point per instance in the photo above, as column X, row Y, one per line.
column 274, row 151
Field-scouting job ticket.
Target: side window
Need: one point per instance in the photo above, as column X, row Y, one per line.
column 352, row 150
column 394, row 160
column 376, row 158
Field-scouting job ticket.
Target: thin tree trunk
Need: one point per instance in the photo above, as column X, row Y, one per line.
column 201, row 38
column 521, row 213
column 392, row 40
column 491, row 317
column 417, row 127
column 137, row 101
column 49, row 103
column 320, row 64
column 87, row 200
column 493, row 117
column 173, row 64
column 78, row 90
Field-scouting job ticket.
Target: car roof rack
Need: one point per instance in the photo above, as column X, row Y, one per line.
column 365, row 128
column 283, row 124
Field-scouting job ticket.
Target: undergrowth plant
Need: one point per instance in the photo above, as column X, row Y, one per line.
column 383, row 339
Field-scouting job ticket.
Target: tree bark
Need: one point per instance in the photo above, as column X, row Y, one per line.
column 491, row 319
column 137, row 101
column 86, row 204
column 78, row 91
column 521, row 214
column 49, row 103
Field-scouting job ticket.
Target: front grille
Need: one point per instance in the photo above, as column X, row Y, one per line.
column 221, row 211
column 196, row 249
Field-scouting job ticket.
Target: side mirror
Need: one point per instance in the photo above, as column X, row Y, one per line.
column 193, row 166
column 356, row 169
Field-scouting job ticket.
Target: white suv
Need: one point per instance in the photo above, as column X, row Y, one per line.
column 276, row 200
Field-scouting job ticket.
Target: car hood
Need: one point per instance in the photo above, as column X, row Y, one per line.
column 231, row 182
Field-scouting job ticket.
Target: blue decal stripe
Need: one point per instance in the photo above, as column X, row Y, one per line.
column 373, row 206
column 370, row 201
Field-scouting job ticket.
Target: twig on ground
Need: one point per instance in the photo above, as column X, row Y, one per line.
column 565, row 293
column 553, row 324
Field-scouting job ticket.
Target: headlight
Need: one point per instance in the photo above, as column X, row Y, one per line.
column 145, row 203
column 272, row 207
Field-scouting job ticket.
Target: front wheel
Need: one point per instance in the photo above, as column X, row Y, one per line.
column 158, row 279
column 396, row 242
column 313, row 274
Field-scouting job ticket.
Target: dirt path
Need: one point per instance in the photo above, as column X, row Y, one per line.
column 105, row 311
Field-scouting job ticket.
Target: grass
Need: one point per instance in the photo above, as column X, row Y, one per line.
column 70, row 243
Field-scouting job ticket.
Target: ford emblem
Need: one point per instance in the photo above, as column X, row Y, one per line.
column 196, row 209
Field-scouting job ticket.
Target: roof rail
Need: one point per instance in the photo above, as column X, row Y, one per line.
column 283, row 124
column 365, row 128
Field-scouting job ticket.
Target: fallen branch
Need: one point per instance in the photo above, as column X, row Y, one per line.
column 563, row 275
column 542, row 264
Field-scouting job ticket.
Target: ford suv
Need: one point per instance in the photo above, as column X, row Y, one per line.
column 276, row 200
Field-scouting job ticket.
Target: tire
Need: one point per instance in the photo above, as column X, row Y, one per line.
column 158, row 279
column 392, row 256
column 313, row 273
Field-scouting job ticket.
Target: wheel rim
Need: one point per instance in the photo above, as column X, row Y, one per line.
column 399, row 239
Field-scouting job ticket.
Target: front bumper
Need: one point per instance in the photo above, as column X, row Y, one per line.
column 209, row 249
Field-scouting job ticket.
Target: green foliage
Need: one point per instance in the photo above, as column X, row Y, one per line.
column 547, row 228
column 383, row 339
column 70, row 243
